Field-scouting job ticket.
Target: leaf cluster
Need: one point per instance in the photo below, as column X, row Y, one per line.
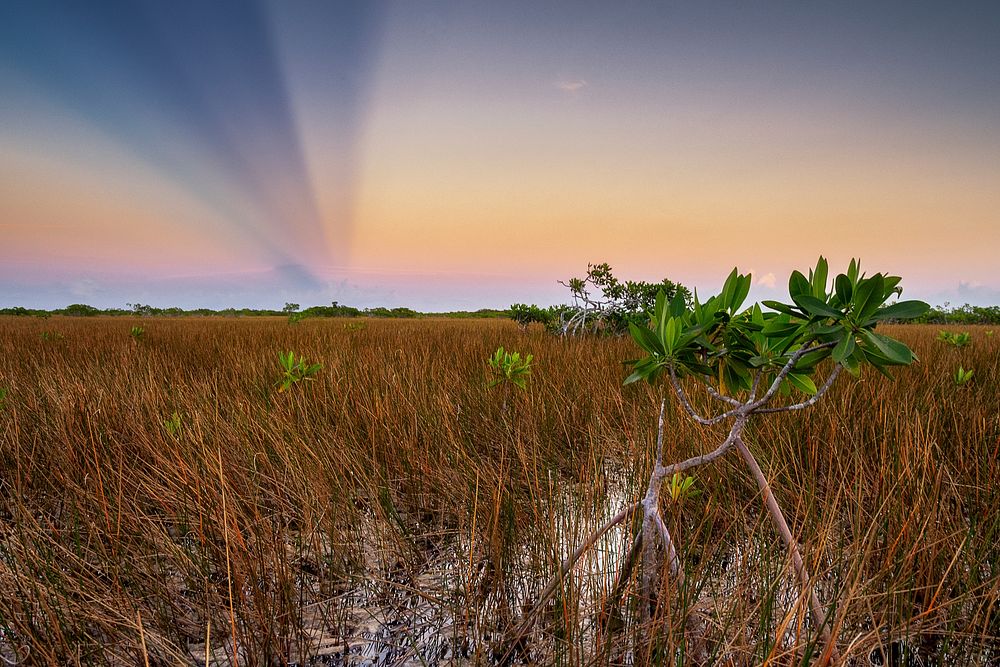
column 295, row 370
column 724, row 343
column 963, row 376
column 525, row 314
column 510, row 367
column 955, row 339
column 682, row 486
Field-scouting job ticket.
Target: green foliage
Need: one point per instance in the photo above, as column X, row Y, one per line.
column 333, row 310
column 142, row 310
column 618, row 303
column 295, row 318
column 3, row 398
column 525, row 314
column 52, row 336
column 509, row 367
column 728, row 345
column 955, row 339
column 80, row 310
column 295, row 370
column 173, row 425
column 290, row 307
column 962, row 376
column 356, row 326
column 966, row 314
column 137, row 333
column 682, row 487
column 391, row 312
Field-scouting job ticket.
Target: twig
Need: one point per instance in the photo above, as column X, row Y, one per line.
column 805, row 404
column 783, row 373
column 726, row 399
column 679, row 390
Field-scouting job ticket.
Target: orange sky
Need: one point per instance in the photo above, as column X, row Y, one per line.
column 518, row 146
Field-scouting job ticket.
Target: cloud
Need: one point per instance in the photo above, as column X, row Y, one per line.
column 976, row 292
column 85, row 288
column 767, row 280
column 571, row 87
column 967, row 291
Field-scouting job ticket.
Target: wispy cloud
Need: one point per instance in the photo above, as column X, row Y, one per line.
column 767, row 280
column 572, row 86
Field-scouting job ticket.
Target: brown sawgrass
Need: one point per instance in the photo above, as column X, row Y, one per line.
column 398, row 504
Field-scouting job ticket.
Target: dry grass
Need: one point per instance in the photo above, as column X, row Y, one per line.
column 397, row 506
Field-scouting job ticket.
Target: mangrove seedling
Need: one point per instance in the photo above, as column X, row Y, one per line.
column 963, row 376
column 955, row 339
column 681, row 487
column 173, row 425
column 510, row 367
column 295, row 370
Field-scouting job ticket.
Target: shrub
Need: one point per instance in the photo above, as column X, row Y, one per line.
column 295, row 370
column 509, row 367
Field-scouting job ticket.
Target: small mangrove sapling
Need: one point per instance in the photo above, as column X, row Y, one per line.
column 744, row 358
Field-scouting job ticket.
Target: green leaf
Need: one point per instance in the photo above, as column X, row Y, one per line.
column 852, row 362
column 815, row 307
column 896, row 352
column 843, row 287
column 844, row 348
column 797, row 284
column 889, row 285
column 739, row 295
column 781, row 308
column 803, row 383
column 644, row 369
column 776, row 329
column 879, row 365
column 729, row 288
column 809, row 360
column 852, row 271
column 645, row 338
column 819, row 279
column 677, row 305
column 868, row 297
column 827, row 329
column 903, row 310
column 669, row 335
column 658, row 305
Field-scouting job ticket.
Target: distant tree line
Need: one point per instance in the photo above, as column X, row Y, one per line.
column 556, row 318
column 333, row 310
column 966, row 314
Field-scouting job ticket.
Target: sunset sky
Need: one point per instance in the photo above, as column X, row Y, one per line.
column 463, row 154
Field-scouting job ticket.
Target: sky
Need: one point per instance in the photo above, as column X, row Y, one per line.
column 460, row 155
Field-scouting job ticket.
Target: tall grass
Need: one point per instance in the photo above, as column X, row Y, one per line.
column 398, row 508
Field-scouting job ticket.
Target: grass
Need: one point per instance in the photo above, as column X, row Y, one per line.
column 398, row 505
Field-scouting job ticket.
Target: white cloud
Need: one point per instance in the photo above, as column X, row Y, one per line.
column 767, row 280
column 571, row 87
column 85, row 288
